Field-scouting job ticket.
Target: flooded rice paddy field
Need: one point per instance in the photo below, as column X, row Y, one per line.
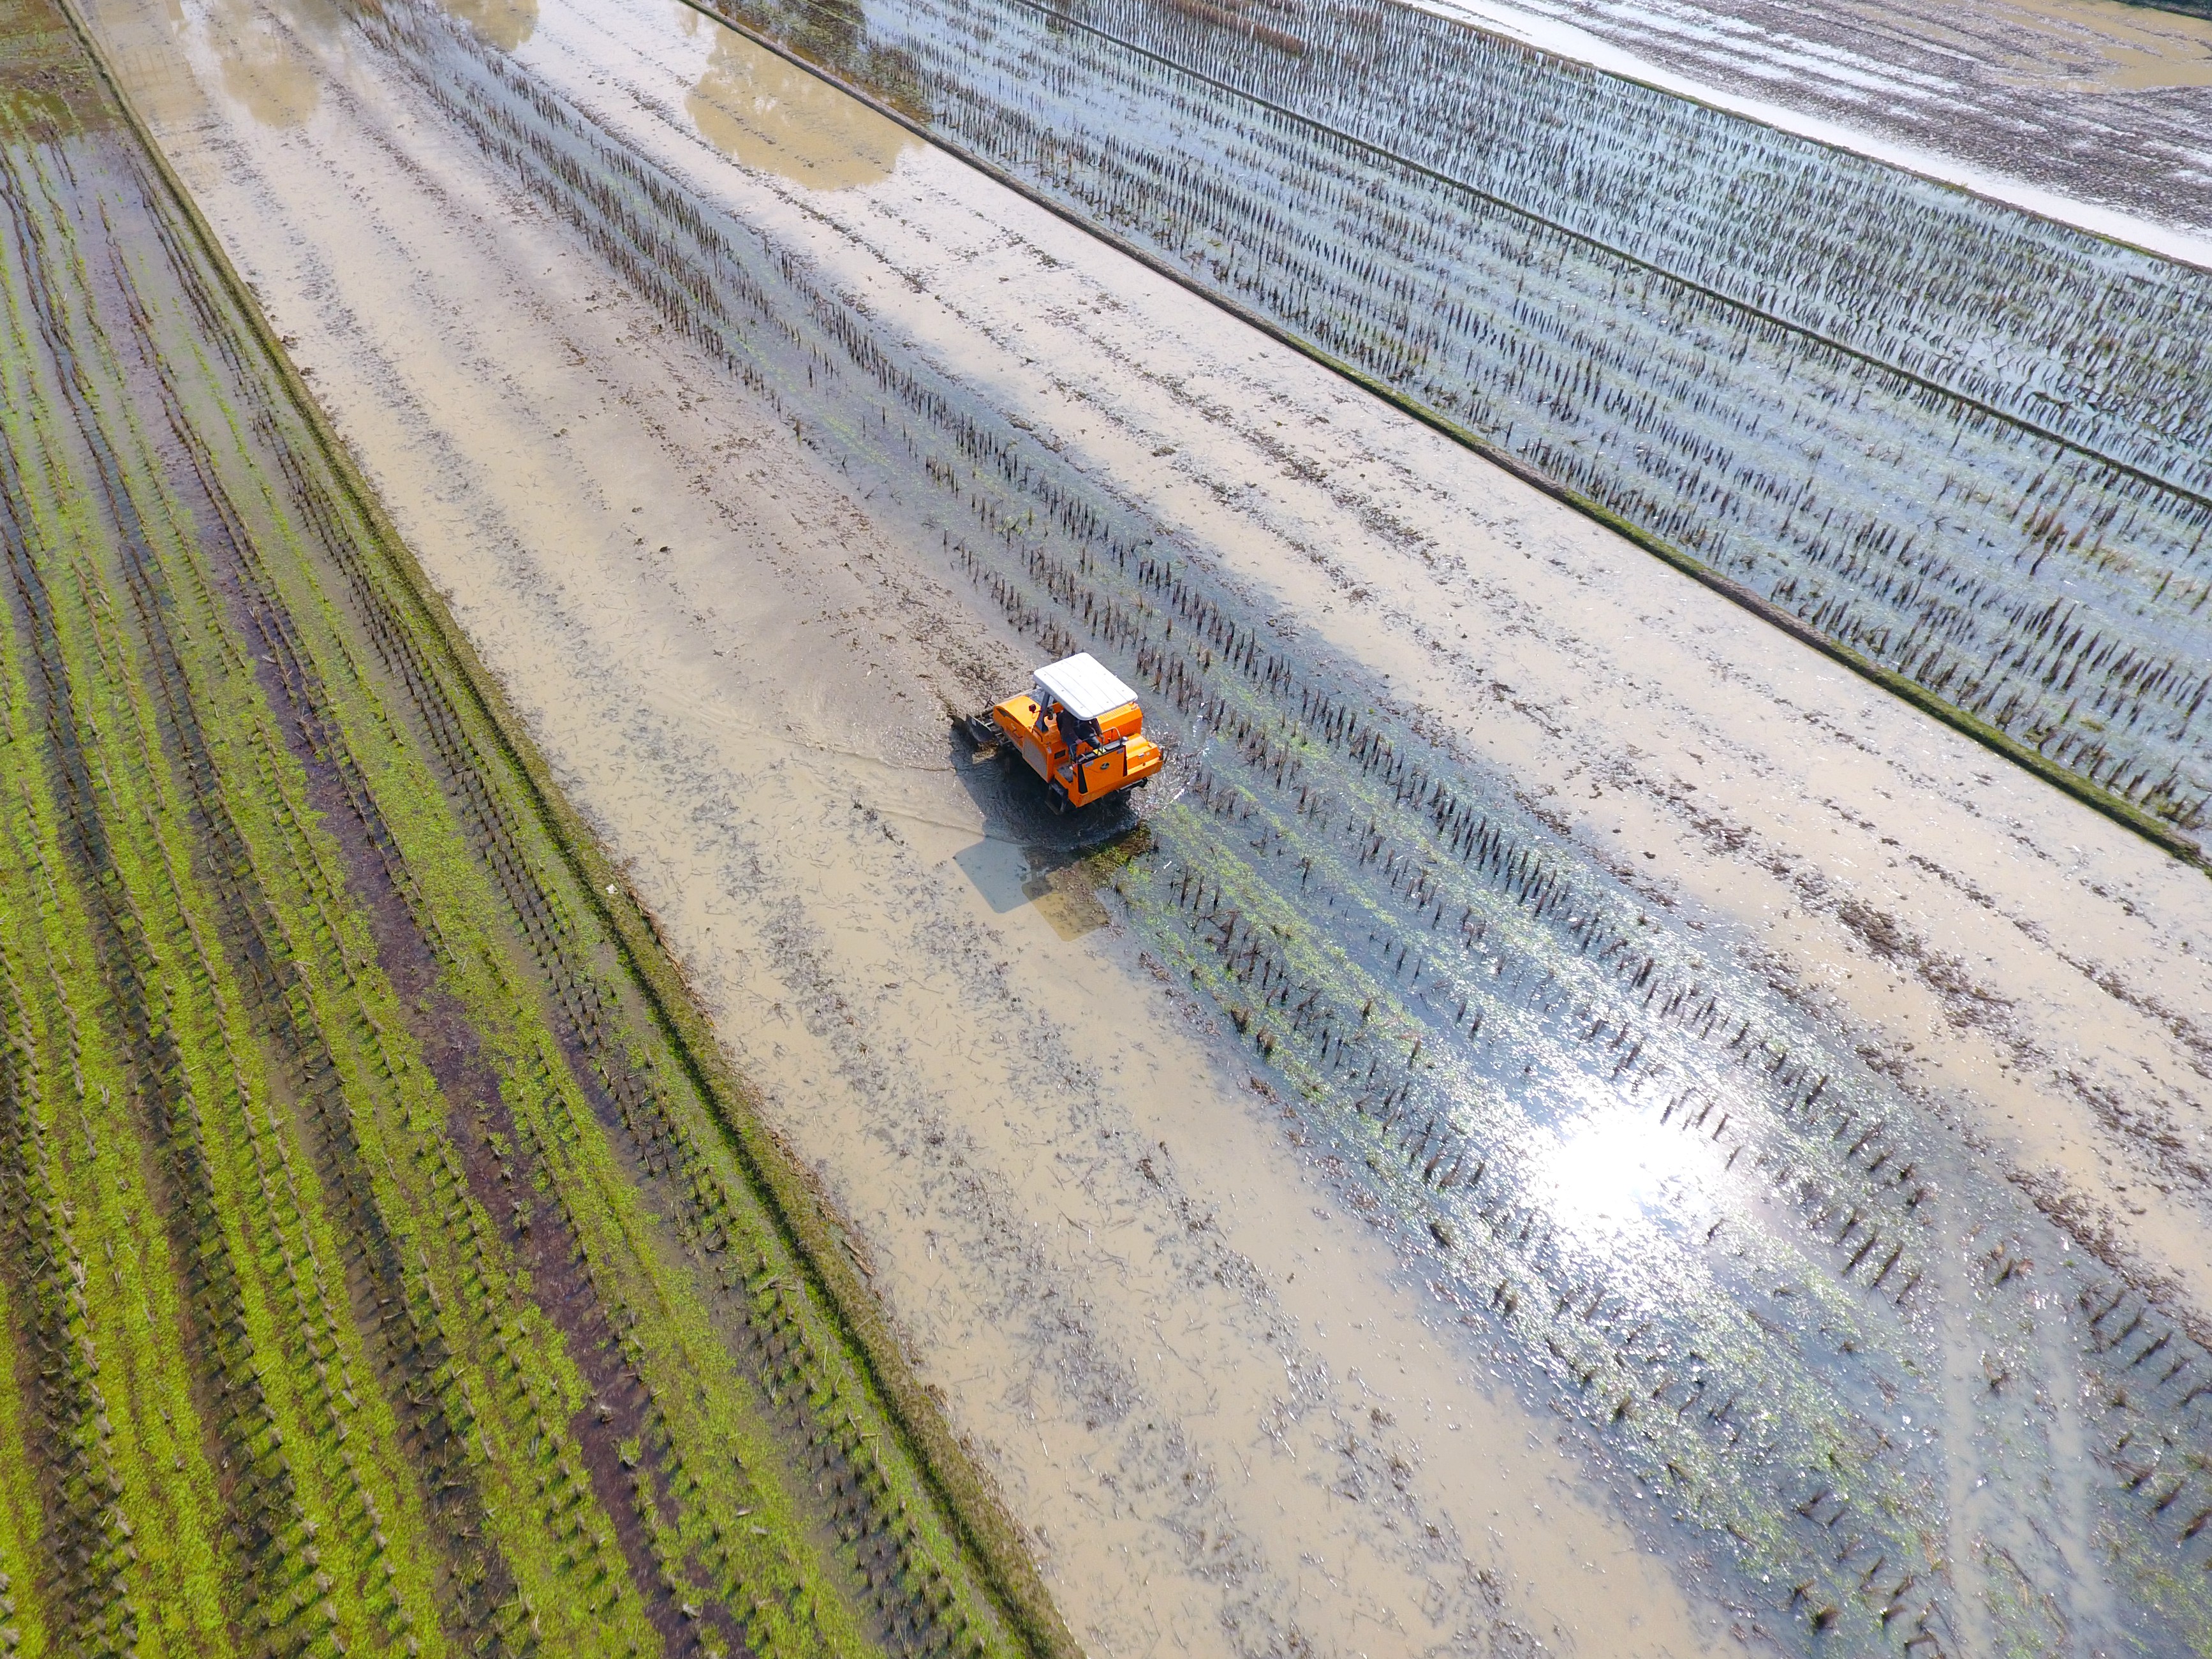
column 1562, row 1120
column 389, row 1266
column 1807, row 373
column 2092, row 110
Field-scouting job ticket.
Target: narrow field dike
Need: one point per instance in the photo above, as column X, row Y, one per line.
column 387, row 1264
column 1963, row 447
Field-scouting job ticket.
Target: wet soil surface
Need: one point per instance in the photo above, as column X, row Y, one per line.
column 1557, row 1090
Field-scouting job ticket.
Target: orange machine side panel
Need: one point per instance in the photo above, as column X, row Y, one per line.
column 1125, row 722
column 1018, row 718
column 1137, row 758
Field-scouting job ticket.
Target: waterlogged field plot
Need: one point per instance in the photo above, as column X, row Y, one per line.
column 1891, row 1404
column 381, row 1269
column 2114, row 94
column 1966, row 445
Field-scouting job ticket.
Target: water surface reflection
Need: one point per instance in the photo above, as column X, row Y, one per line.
column 763, row 112
column 507, row 24
column 264, row 69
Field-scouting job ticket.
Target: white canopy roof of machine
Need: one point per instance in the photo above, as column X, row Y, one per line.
column 1084, row 686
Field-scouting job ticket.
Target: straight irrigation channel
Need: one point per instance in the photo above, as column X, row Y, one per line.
column 1765, row 1285
column 385, row 1263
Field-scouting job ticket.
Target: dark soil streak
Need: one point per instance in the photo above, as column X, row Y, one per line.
column 409, row 951
column 257, row 1491
column 51, row 1366
column 502, row 1175
column 473, row 1580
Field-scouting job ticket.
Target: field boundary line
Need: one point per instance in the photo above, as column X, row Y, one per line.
column 794, row 1198
column 2066, row 781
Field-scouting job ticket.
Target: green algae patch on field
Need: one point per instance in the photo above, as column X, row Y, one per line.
column 388, row 1264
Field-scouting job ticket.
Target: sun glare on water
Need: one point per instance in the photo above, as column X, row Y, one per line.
column 1617, row 1176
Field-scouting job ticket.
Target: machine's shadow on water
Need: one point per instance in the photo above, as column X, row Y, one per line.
column 1029, row 854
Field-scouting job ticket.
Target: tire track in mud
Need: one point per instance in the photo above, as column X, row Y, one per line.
column 1441, row 972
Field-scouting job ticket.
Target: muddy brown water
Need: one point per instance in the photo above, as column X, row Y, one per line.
column 762, row 112
column 1085, row 1216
